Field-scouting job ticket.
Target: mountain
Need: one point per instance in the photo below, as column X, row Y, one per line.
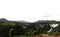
column 3, row 19
column 47, row 21
column 41, row 21
column 21, row 21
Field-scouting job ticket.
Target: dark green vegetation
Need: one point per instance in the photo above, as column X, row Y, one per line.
column 18, row 28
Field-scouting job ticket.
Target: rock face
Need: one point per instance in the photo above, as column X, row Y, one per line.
column 54, row 28
column 54, row 25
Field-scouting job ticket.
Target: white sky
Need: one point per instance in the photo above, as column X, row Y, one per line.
column 30, row 10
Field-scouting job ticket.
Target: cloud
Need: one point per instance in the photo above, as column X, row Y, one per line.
column 30, row 10
column 47, row 16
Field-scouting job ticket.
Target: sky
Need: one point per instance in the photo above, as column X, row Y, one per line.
column 30, row 10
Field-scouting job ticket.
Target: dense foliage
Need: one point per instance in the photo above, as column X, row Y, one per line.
column 11, row 28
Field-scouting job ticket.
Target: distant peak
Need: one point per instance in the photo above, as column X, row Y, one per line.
column 3, row 19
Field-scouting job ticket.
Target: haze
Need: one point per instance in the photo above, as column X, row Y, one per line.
column 30, row 10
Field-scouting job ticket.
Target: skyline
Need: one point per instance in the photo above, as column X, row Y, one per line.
column 46, row 18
